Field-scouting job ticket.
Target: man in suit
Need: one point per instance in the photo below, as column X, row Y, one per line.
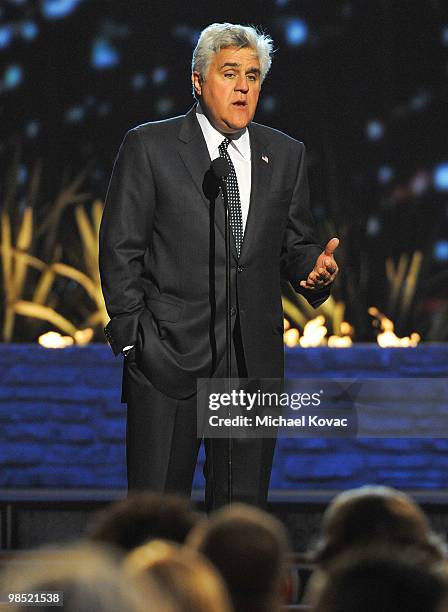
column 162, row 261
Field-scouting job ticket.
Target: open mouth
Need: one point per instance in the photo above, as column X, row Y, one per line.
column 240, row 103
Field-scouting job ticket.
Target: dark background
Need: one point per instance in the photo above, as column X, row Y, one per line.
column 362, row 83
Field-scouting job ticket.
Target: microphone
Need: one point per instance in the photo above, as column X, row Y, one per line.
column 220, row 168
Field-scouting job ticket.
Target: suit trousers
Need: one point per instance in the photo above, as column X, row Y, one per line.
column 162, row 444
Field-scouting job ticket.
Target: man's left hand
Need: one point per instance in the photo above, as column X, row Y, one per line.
column 325, row 268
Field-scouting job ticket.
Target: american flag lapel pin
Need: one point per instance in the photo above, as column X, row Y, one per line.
column 265, row 158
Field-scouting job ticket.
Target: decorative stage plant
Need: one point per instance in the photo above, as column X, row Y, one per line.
column 31, row 251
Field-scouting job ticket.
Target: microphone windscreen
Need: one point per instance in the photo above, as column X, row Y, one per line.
column 220, row 167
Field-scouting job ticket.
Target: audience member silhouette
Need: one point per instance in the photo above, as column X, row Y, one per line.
column 130, row 522
column 249, row 547
column 375, row 516
column 89, row 578
column 381, row 582
column 188, row 581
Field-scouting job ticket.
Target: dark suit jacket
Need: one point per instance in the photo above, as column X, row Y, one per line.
column 162, row 252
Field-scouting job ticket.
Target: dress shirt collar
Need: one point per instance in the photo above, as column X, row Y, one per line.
column 213, row 138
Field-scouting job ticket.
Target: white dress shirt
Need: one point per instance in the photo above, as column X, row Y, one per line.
column 239, row 153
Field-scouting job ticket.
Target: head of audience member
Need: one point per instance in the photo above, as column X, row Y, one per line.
column 89, row 578
column 384, row 581
column 188, row 582
column 130, row 522
column 249, row 548
column 375, row 516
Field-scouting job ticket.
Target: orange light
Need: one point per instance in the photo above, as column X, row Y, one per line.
column 339, row 341
column 291, row 337
column 314, row 333
column 54, row 340
column 387, row 337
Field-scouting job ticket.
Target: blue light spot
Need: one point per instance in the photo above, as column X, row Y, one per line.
column 419, row 183
column 22, row 174
column 182, row 31
column 385, row 173
column 104, row 55
column 13, row 76
column 296, row 32
column 75, row 114
column 440, row 250
column 440, row 177
column 281, row 2
column 268, row 104
column 32, row 129
column 5, row 36
column 186, row 33
column 373, row 226
column 445, row 36
column 29, row 30
column 164, row 106
column 58, row 9
column 375, row 129
column 420, row 100
column 159, row 75
column 138, row 81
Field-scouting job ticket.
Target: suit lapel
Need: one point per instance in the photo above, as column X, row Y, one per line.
column 194, row 151
column 261, row 168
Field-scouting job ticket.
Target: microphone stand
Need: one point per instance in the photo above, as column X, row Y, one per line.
column 228, row 336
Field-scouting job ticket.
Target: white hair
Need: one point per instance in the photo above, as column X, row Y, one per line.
column 218, row 36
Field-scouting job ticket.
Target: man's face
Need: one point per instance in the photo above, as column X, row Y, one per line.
column 229, row 95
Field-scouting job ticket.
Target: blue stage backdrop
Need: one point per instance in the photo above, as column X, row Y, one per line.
column 63, row 426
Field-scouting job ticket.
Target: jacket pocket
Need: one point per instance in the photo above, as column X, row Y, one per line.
column 164, row 310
